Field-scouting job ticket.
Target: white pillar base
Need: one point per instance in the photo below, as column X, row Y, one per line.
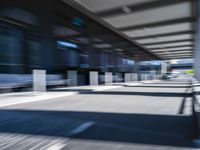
column 108, row 78
column 39, row 80
column 127, row 77
column 73, row 77
column 94, row 80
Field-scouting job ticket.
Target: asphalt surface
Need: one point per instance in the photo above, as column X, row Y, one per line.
column 149, row 116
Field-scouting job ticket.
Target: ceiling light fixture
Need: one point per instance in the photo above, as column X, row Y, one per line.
column 146, row 29
column 118, row 49
column 126, row 9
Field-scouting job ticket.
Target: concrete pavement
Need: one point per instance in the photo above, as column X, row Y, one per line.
column 150, row 116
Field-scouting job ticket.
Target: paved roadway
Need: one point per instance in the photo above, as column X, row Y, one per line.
column 149, row 116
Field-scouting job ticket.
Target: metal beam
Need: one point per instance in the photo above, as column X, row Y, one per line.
column 168, row 42
column 164, row 51
column 171, row 47
column 139, row 7
column 105, row 25
column 172, row 50
column 176, row 55
column 167, row 58
column 163, row 35
column 158, row 24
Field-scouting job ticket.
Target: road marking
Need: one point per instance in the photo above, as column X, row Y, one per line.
column 103, row 88
column 57, row 146
column 82, row 127
column 33, row 99
column 14, row 99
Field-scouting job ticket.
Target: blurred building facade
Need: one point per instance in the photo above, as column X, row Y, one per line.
column 53, row 36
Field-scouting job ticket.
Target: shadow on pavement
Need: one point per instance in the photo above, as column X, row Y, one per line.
column 160, row 86
column 131, row 128
column 72, row 90
column 159, row 94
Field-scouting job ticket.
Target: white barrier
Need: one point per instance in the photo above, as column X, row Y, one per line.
column 39, row 80
column 145, row 77
column 108, row 78
column 72, row 75
column 94, row 80
column 134, row 77
column 118, row 77
column 142, row 77
column 127, row 77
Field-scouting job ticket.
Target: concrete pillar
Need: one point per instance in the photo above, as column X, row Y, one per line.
column 197, row 44
column 134, row 77
column 48, row 40
column 73, row 77
column 149, row 76
column 127, row 77
column 108, row 78
column 153, row 74
column 137, row 69
column 94, row 80
column 39, row 80
column 142, row 77
column 154, row 77
column 163, row 68
column 157, row 76
column 119, row 77
column 145, row 76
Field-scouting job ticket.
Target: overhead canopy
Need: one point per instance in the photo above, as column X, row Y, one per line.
column 163, row 27
column 107, row 38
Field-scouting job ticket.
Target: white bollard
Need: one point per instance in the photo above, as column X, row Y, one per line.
column 119, row 77
column 73, row 77
column 108, row 78
column 39, row 80
column 94, row 80
column 134, row 77
column 148, row 77
column 127, row 77
column 142, row 77
column 145, row 77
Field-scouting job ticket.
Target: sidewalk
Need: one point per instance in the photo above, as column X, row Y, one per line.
column 27, row 97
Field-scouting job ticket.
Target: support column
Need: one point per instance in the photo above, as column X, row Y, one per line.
column 73, row 77
column 39, row 80
column 127, row 77
column 197, row 44
column 163, row 68
column 136, row 70
column 91, row 53
column 94, row 80
column 114, row 63
column 118, row 77
column 108, row 78
column 48, row 40
column 134, row 77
